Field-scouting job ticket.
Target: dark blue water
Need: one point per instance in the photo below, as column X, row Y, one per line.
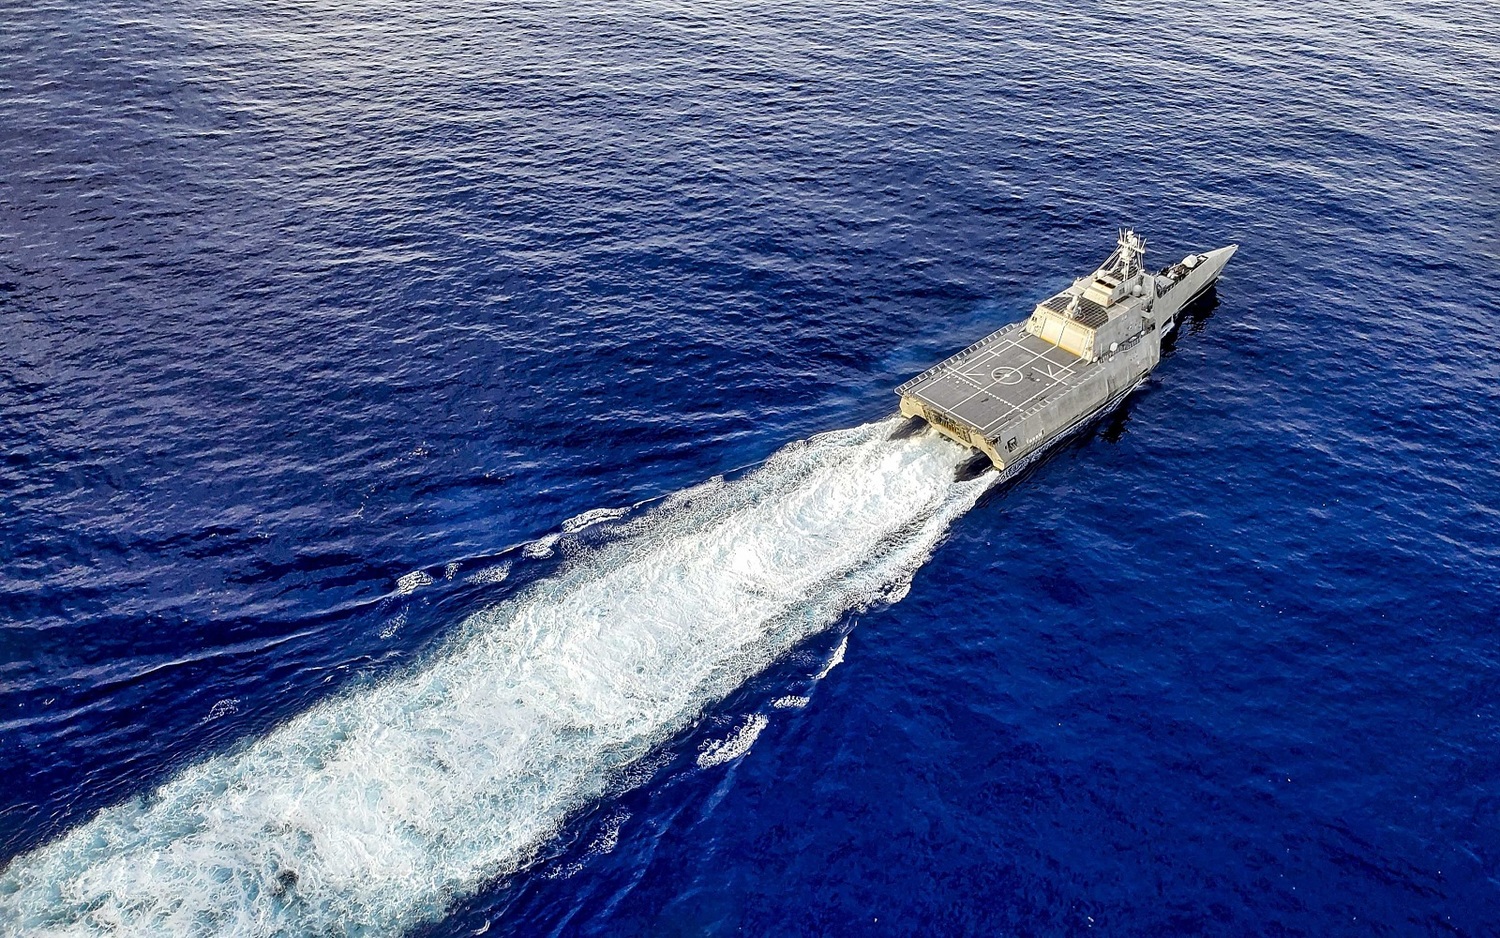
column 324, row 328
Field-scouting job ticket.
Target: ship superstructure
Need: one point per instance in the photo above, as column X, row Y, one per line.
column 1078, row 355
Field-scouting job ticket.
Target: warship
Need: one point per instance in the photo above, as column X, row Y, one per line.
column 1014, row 393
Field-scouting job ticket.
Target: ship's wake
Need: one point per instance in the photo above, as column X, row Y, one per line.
column 373, row 811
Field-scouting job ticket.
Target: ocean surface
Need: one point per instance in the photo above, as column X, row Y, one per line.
column 446, row 484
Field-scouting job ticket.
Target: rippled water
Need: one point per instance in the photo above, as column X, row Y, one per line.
column 364, row 366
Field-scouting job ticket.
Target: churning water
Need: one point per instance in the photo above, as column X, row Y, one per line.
column 371, row 811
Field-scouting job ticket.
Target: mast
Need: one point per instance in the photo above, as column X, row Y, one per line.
column 1129, row 253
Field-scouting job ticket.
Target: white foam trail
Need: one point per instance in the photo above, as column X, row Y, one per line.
column 837, row 658
column 412, row 582
column 371, row 812
column 736, row 744
column 495, row 574
column 594, row 516
column 541, row 547
column 608, row 837
column 222, row 709
column 393, row 625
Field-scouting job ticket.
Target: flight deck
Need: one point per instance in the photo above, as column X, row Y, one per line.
column 997, row 381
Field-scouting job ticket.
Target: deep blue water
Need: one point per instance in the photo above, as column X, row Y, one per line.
column 325, row 325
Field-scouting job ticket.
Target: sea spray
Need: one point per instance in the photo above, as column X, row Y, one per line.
column 372, row 811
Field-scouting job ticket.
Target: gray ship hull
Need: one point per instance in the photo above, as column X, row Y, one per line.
column 1022, row 389
column 1017, row 467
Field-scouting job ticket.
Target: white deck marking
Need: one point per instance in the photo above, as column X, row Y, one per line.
column 987, row 375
